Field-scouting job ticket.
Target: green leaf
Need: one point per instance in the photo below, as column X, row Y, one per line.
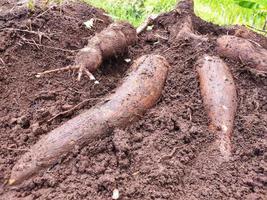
column 248, row 4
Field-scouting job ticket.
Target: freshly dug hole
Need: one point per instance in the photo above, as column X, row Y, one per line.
column 139, row 91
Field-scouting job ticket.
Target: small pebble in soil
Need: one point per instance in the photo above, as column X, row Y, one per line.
column 128, row 60
column 115, row 194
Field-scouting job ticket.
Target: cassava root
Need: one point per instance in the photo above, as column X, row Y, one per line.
column 139, row 91
column 248, row 52
column 112, row 41
column 220, row 100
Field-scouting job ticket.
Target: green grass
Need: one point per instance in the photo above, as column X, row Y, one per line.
column 222, row 12
column 226, row 12
column 134, row 11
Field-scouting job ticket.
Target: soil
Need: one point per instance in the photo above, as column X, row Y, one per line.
column 168, row 154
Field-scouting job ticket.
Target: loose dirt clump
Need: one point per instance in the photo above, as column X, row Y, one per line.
column 168, row 154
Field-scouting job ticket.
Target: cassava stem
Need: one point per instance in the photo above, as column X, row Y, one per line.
column 220, row 100
column 185, row 8
column 139, row 91
column 187, row 32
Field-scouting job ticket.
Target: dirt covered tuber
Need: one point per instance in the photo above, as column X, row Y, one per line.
column 112, row 41
column 250, row 53
column 220, row 100
column 139, row 91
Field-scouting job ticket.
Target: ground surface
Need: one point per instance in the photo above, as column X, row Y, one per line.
column 165, row 155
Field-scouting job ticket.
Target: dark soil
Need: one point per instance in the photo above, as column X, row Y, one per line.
column 168, row 154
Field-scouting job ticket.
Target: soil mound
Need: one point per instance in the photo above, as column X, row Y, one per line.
column 167, row 154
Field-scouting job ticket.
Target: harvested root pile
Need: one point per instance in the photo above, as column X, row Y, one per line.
column 179, row 149
column 139, row 91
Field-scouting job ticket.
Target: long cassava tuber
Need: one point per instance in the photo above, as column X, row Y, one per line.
column 112, row 41
column 139, row 91
column 219, row 95
column 242, row 49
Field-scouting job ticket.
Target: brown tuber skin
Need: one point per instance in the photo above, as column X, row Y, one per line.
column 112, row 41
column 219, row 95
column 241, row 49
column 139, row 91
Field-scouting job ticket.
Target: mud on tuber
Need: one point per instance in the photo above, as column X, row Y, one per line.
column 139, row 91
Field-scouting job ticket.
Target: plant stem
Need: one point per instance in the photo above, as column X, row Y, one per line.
column 265, row 24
